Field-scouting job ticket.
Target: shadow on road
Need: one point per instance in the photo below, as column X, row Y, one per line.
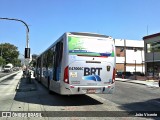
column 41, row 96
column 150, row 105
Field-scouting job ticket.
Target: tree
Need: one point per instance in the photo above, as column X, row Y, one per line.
column 2, row 61
column 9, row 52
column 33, row 62
column 17, row 62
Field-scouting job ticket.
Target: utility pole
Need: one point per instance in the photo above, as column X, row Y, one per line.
column 135, row 71
column 1, row 50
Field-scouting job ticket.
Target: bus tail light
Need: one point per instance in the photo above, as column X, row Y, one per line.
column 114, row 75
column 66, row 77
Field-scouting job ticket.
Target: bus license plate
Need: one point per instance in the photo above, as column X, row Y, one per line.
column 91, row 90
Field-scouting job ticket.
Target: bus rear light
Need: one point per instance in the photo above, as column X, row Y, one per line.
column 66, row 80
column 114, row 75
column 66, row 77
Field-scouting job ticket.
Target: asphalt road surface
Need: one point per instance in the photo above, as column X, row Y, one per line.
column 135, row 97
column 2, row 74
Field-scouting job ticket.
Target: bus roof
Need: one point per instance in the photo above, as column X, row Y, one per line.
column 88, row 34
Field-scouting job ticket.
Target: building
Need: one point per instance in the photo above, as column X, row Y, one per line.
column 129, row 55
column 152, row 54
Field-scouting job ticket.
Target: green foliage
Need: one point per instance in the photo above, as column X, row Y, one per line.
column 9, row 53
column 2, row 61
column 33, row 62
column 17, row 62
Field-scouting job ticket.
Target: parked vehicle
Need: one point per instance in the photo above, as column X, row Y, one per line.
column 126, row 74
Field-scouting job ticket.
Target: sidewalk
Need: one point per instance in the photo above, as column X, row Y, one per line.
column 149, row 83
column 25, row 85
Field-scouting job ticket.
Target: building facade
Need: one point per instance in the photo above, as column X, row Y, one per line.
column 152, row 54
column 129, row 55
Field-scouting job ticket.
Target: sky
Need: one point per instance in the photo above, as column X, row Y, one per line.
column 49, row 19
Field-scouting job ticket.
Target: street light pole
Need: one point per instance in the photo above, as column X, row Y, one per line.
column 27, row 49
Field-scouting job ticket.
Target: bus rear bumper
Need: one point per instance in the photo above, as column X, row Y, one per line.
column 109, row 89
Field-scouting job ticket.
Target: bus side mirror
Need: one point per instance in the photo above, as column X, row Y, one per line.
column 27, row 52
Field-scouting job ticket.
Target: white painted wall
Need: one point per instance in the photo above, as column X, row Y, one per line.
column 119, row 42
column 135, row 43
column 131, row 56
column 132, row 69
column 129, row 43
column 119, row 59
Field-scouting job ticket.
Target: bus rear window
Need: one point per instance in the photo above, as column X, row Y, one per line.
column 90, row 46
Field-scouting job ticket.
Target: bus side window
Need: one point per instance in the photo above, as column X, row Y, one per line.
column 57, row 61
column 44, row 65
column 50, row 63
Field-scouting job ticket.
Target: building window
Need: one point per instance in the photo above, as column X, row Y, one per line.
column 118, row 55
column 148, row 47
column 120, row 51
column 153, row 47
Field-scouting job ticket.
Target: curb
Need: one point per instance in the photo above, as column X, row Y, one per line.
column 7, row 76
column 131, row 82
column 135, row 82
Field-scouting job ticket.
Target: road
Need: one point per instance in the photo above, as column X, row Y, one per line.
column 2, row 74
column 41, row 100
column 135, row 97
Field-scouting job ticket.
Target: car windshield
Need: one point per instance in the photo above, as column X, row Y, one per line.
column 7, row 66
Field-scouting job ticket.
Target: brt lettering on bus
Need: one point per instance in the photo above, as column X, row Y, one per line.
column 92, row 71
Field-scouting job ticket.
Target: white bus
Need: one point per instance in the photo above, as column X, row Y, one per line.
column 78, row 63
